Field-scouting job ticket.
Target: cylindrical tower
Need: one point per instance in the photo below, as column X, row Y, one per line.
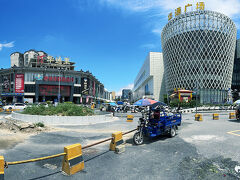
column 198, row 53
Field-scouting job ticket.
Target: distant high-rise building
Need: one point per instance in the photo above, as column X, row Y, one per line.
column 113, row 95
column 17, row 59
column 127, row 94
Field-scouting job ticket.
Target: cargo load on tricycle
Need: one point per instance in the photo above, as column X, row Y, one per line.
column 157, row 120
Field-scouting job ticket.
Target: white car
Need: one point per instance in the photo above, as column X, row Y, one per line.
column 15, row 107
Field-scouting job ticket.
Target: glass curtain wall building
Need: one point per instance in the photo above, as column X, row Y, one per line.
column 198, row 53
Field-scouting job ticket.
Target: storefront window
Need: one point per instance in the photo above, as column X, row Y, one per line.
column 31, row 77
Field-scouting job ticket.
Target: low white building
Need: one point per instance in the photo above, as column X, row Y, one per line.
column 150, row 79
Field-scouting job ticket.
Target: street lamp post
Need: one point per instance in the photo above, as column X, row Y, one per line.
column 59, row 95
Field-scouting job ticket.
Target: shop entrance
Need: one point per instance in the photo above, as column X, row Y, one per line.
column 51, row 98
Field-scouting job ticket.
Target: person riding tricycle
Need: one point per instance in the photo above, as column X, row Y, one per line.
column 156, row 121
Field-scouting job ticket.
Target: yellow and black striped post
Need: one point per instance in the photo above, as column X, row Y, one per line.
column 130, row 118
column 215, row 116
column 231, row 115
column 116, row 141
column 8, row 111
column 198, row 117
column 1, row 168
column 73, row 160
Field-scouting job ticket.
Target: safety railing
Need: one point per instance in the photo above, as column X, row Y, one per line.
column 73, row 160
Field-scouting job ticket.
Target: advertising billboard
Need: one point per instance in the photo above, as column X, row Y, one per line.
column 6, row 84
column 19, row 83
column 85, row 86
column 51, row 90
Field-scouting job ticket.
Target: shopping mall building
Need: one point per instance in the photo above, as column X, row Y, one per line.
column 35, row 76
column 198, row 53
column 149, row 82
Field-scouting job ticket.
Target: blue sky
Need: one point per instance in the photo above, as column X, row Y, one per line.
column 110, row 38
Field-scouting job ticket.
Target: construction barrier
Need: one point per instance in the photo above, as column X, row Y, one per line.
column 231, row 115
column 2, row 164
column 117, row 140
column 215, row 116
column 130, row 118
column 8, row 111
column 73, row 159
column 198, row 117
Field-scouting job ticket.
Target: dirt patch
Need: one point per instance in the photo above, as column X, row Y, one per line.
column 19, row 126
column 9, row 139
column 13, row 132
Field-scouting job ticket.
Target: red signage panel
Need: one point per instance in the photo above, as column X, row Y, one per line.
column 19, row 83
column 62, row 79
column 51, row 90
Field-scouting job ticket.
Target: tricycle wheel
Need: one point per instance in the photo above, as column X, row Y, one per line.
column 137, row 138
column 172, row 132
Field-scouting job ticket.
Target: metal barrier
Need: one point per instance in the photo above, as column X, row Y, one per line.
column 73, row 161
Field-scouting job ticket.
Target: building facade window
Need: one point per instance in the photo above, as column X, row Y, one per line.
column 77, row 90
column 29, row 88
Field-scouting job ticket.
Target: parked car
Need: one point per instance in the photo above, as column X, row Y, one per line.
column 14, row 107
column 43, row 103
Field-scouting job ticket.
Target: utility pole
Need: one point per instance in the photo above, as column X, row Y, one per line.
column 59, row 92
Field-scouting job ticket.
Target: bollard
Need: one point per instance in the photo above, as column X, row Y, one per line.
column 215, row 116
column 130, row 118
column 1, row 168
column 231, row 115
column 8, row 111
column 198, row 117
column 73, row 160
column 117, row 142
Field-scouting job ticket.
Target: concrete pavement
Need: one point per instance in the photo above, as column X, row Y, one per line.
column 201, row 150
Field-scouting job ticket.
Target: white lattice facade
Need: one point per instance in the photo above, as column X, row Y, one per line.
column 198, row 53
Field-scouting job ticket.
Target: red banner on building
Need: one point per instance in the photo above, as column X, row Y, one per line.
column 62, row 79
column 19, row 83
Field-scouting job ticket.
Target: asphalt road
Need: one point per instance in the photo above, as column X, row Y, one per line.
column 201, row 150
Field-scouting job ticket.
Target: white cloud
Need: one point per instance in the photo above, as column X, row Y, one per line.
column 148, row 46
column 161, row 8
column 229, row 7
column 7, row 45
column 129, row 86
column 157, row 31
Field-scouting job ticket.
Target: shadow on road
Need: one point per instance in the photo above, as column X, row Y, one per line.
column 235, row 121
column 46, row 175
column 51, row 174
column 148, row 140
column 97, row 156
